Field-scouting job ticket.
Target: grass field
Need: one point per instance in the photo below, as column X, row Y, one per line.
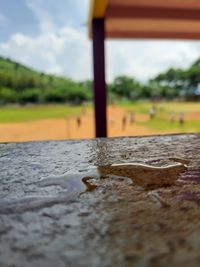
column 167, row 107
column 162, row 121
column 47, row 122
column 39, row 112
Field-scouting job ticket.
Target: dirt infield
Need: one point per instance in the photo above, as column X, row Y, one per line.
column 61, row 129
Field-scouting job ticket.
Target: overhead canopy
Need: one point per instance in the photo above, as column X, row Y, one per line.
column 162, row 19
column 153, row 19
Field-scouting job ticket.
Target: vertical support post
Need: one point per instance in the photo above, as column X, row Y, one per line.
column 99, row 84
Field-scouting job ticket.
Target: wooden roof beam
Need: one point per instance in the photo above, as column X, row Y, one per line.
column 181, row 4
column 152, row 13
column 153, row 35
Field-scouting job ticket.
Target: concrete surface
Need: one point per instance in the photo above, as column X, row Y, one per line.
column 117, row 224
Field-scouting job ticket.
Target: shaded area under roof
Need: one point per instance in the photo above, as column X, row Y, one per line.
column 171, row 19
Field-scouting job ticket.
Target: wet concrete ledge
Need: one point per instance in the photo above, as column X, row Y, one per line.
column 117, row 224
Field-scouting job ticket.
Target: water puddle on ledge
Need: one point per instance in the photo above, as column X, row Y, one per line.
column 74, row 184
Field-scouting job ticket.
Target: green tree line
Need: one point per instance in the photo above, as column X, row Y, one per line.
column 174, row 83
column 20, row 84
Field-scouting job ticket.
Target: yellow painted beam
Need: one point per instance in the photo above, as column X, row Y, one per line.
column 97, row 10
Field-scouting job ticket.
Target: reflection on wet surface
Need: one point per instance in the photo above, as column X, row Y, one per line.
column 146, row 175
column 74, row 184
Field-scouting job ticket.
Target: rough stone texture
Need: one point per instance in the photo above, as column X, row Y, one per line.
column 118, row 224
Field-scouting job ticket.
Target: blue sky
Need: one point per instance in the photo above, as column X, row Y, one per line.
column 51, row 36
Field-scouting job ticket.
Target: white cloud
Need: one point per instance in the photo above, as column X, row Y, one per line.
column 42, row 15
column 56, row 49
column 65, row 50
column 145, row 59
column 51, row 14
column 66, row 53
